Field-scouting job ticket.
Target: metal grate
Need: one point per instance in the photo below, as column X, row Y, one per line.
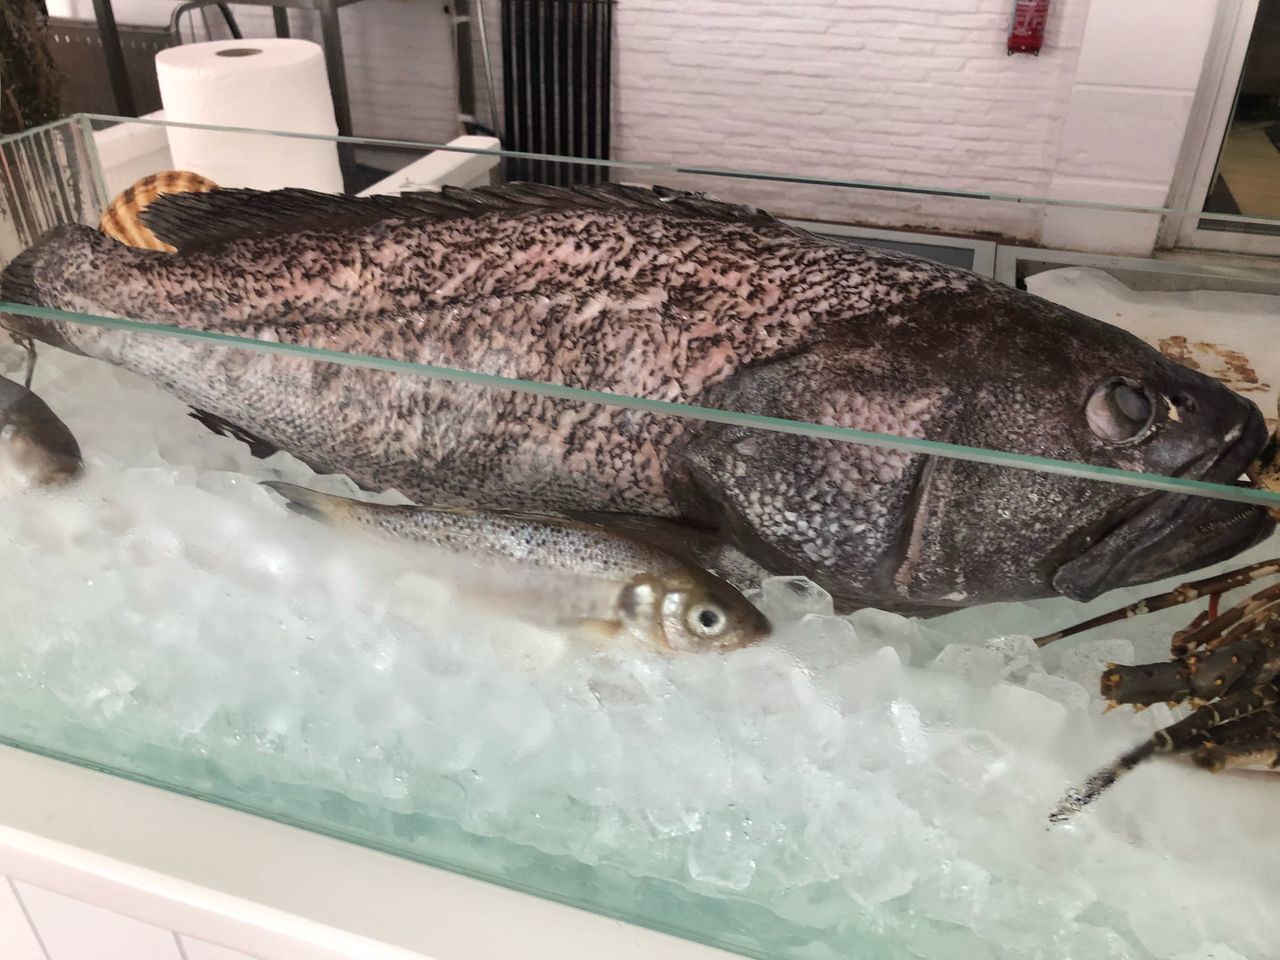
column 557, row 69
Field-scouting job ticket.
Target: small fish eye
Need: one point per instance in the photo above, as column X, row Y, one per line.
column 1120, row 411
column 707, row 621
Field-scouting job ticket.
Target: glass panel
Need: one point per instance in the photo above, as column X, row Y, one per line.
column 858, row 783
column 47, row 177
column 866, row 202
column 1248, row 176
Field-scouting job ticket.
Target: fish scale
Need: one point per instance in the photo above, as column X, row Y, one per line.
column 675, row 297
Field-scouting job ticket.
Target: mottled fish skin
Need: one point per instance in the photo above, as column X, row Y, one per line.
column 618, row 301
column 612, row 577
column 685, row 302
column 36, row 448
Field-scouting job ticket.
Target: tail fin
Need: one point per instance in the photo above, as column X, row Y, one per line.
column 46, row 273
column 18, row 282
column 324, row 507
column 26, row 277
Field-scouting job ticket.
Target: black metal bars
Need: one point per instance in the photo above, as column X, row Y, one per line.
column 557, row 85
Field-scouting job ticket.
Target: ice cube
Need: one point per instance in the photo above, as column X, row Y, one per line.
column 1066, row 692
column 790, row 598
column 976, row 664
column 970, row 759
column 914, row 642
column 418, row 599
column 718, row 855
column 868, row 682
column 1024, row 717
column 956, row 891
column 1162, row 922
column 621, row 680
column 911, row 737
column 1211, row 951
column 821, row 643
column 1020, row 657
column 1083, row 661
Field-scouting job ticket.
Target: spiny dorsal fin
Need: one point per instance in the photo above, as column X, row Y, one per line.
column 122, row 219
column 195, row 220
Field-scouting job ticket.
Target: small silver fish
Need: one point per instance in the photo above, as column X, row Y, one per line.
column 620, row 584
column 36, row 448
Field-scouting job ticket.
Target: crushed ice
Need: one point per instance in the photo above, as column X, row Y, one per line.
column 856, row 783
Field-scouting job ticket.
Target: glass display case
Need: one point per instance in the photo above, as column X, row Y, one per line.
column 860, row 782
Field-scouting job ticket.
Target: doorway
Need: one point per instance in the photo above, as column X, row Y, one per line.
column 1247, row 178
column 1236, row 181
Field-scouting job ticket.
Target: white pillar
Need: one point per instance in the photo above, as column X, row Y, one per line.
column 1127, row 114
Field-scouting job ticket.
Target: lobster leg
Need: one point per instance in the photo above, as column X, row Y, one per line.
column 1203, row 676
column 1215, row 757
column 1245, row 617
column 1181, row 737
column 1186, row 593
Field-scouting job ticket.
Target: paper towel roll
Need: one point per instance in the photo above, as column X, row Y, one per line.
column 269, row 84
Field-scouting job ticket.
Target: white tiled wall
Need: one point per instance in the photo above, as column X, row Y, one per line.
column 36, row 924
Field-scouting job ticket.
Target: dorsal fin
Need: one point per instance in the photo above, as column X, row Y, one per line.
column 191, row 221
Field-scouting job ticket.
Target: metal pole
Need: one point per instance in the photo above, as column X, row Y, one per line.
column 464, row 64
column 116, row 72
column 487, row 54
column 331, row 38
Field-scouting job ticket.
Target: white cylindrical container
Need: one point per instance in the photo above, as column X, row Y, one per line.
column 268, row 84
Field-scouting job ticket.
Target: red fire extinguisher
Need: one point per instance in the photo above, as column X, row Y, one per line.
column 1026, row 33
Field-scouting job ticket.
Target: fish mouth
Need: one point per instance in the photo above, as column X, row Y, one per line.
column 1168, row 534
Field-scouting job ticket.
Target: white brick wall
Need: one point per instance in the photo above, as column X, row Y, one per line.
column 911, row 92
column 918, row 93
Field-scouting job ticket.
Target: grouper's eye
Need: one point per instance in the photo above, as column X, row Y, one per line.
column 1120, row 411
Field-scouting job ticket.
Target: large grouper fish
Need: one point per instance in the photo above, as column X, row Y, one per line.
column 673, row 296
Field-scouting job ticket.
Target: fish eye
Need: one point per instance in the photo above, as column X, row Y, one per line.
column 706, row 621
column 1120, row 411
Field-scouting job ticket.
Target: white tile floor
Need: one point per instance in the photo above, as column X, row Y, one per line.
column 16, row 933
column 36, row 924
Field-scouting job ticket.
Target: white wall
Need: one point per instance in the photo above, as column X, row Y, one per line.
column 912, row 92
column 1126, row 117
